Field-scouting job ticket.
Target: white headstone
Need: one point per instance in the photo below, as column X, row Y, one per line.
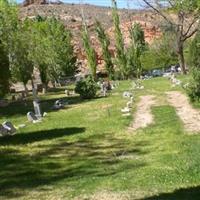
column 31, row 117
column 9, row 127
column 127, row 94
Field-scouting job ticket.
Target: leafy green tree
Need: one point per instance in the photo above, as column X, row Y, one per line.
column 149, row 60
column 194, row 51
column 194, row 85
column 165, row 51
column 131, row 58
column 160, row 54
column 105, row 42
column 64, row 62
column 90, row 52
column 137, row 47
column 137, row 36
column 121, row 59
column 42, row 54
column 21, row 64
column 8, row 24
column 131, row 64
column 5, row 72
column 181, row 12
column 52, row 50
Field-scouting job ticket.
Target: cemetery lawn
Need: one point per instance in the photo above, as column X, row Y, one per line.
column 86, row 151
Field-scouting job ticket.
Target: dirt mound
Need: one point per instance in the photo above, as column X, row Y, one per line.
column 143, row 116
column 189, row 115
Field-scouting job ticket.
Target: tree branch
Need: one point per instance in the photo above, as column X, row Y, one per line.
column 170, row 3
column 158, row 11
column 191, row 25
column 190, row 35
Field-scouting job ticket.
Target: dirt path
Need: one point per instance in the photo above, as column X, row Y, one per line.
column 189, row 115
column 143, row 116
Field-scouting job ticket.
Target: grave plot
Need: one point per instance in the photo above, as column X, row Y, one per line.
column 143, row 116
column 189, row 115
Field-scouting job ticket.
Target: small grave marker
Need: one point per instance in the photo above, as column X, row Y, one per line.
column 9, row 127
column 3, row 131
column 31, row 117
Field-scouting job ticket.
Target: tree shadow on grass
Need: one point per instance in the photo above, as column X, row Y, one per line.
column 23, row 107
column 65, row 161
column 191, row 193
column 26, row 138
column 56, row 91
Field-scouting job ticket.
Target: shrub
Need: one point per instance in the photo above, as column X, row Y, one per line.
column 87, row 88
column 193, row 90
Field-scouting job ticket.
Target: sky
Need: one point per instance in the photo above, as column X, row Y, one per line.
column 136, row 4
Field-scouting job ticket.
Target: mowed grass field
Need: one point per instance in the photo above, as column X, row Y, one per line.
column 85, row 151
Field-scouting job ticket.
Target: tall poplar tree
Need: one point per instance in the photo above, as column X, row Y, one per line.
column 105, row 42
column 121, row 59
column 90, row 51
column 138, row 44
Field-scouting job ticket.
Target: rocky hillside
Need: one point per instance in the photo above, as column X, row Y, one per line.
column 70, row 14
column 41, row 2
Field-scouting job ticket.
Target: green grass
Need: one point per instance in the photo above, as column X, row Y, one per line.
column 86, row 149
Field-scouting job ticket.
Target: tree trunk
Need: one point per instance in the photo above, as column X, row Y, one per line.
column 182, row 62
column 44, row 89
column 181, row 56
column 53, row 84
column 32, row 84
column 94, row 75
column 33, row 89
column 26, row 90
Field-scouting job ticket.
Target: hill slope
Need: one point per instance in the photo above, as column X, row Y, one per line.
column 70, row 14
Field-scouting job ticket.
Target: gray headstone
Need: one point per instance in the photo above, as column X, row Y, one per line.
column 37, row 109
column 9, row 127
column 31, row 117
column 58, row 104
column 3, row 131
